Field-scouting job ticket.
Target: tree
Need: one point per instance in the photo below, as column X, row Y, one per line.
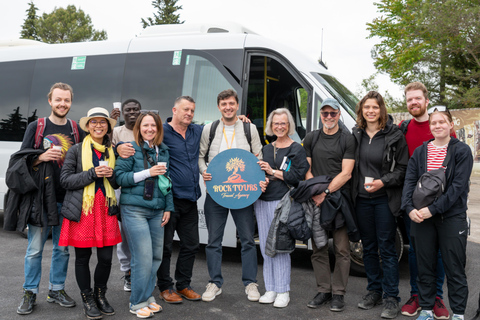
column 67, row 25
column 370, row 84
column 166, row 13
column 436, row 42
column 29, row 29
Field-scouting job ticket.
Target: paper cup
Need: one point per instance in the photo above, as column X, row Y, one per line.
column 368, row 180
column 57, row 148
column 162, row 164
column 117, row 105
column 103, row 163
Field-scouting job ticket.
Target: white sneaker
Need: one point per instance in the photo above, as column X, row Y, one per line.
column 268, row 297
column 211, row 292
column 282, row 300
column 252, row 292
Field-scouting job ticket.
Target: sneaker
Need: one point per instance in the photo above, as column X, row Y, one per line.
column 411, row 307
column 142, row 313
column 319, row 299
column 391, row 308
column 127, row 281
column 268, row 297
column 439, row 309
column 212, row 292
column 252, row 292
column 370, row 300
column 457, row 317
column 425, row 315
column 155, row 307
column 337, row 304
column 28, row 301
column 282, row 300
column 60, row 297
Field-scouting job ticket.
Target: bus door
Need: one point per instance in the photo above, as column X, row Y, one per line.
column 271, row 83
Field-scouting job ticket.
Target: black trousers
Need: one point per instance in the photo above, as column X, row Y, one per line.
column 102, row 270
column 184, row 220
column 450, row 236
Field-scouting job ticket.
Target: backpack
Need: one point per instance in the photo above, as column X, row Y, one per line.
column 41, row 128
column 404, row 126
column 431, row 184
column 213, row 128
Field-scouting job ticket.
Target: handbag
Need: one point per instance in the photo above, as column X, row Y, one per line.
column 431, row 184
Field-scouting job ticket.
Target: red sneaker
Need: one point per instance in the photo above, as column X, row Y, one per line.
column 411, row 308
column 439, row 309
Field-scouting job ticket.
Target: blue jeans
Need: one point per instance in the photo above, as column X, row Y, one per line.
column 216, row 218
column 144, row 233
column 377, row 227
column 412, row 264
column 37, row 236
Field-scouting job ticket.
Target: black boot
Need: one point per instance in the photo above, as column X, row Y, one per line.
column 90, row 306
column 102, row 302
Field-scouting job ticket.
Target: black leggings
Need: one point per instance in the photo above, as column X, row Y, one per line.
column 102, row 270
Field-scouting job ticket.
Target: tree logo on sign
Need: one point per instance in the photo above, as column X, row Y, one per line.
column 235, row 164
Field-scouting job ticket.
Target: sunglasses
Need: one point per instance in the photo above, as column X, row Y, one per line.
column 332, row 114
column 437, row 108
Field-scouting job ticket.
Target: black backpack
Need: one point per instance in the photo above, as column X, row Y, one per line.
column 213, row 128
column 431, row 184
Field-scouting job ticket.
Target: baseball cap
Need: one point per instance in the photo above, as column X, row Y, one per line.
column 331, row 103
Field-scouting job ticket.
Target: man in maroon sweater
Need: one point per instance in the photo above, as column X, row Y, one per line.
column 417, row 131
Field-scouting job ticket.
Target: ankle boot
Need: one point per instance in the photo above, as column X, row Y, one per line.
column 90, row 306
column 102, row 302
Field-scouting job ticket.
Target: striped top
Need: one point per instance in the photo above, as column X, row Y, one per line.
column 435, row 156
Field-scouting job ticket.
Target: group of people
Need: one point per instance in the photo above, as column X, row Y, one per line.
column 135, row 185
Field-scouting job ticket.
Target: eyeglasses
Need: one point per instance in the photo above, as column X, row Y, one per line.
column 332, row 114
column 279, row 124
column 437, row 108
column 102, row 123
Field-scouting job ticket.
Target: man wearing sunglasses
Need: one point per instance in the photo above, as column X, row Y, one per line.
column 416, row 131
column 331, row 151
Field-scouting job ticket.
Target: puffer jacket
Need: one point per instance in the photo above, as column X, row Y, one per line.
column 74, row 180
column 312, row 215
column 132, row 193
column 31, row 192
column 394, row 166
column 279, row 239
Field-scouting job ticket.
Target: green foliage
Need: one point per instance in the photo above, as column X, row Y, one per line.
column 166, row 13
column 29, row 30
column 370, row 84
column 436, row 42
column 67, row 25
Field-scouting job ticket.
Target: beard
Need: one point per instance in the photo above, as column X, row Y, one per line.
column 60, row 115
column 418, row 113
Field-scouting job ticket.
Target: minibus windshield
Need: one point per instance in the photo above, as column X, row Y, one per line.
column 346, row 98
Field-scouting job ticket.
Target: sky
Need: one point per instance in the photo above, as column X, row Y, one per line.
column 298, row 24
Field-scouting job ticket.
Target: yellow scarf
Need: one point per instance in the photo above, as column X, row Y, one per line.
column 87, row 163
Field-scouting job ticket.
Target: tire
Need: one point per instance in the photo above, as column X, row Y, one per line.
column 357, row 267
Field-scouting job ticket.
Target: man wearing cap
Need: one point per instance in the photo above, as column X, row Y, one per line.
column 331, row 151
column 57, row 135
column 124, row 134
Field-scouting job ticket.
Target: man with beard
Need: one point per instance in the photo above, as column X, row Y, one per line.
column 331, row 151
column 54, row 134
column 417, row 131
column 130, row 110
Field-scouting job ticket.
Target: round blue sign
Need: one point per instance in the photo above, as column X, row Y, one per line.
column 236, row 179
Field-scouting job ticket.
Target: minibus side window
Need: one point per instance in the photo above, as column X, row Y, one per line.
column 15, row 84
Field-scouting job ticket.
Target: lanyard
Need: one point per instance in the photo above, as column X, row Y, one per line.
column 226, row 140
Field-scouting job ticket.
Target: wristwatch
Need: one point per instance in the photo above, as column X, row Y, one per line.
column 273, row 172
column 327, row 192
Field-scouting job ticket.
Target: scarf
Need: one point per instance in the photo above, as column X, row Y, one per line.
column 87, row 163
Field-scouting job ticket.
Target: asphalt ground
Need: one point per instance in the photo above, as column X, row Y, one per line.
column 232, row 303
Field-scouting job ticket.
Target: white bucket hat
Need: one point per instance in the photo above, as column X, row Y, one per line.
column 96, row 112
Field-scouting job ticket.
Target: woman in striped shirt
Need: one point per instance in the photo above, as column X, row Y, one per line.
column 443, row 224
